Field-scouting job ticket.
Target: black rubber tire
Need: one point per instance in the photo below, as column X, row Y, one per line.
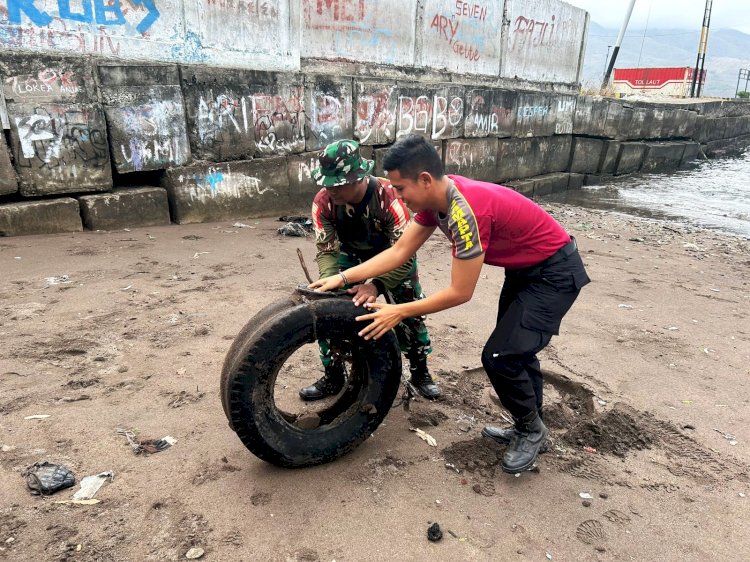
column 253, row 364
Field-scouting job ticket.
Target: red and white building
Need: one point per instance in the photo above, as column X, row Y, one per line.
column 655, row 81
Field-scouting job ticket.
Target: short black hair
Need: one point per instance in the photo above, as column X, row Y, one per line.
column 411, row 155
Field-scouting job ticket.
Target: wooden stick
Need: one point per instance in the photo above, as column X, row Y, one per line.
column 304, row 266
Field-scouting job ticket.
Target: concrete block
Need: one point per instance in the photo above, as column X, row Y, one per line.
column 378, row 156
column 60, row 148
column 554, row 153
column 708, row 129
column 58, row 131
column 721, row 148
column 40, row 217
column 518, row 159
column 480, row 119
column 684, row 123
column 146, row 126
column 8, row 179
column 610, row 153
column 590, row 116
column 587, row 153
column 596, row 179
column 575, row 181
column 639, row 123
column 691, row 153
column 535, row 116
column 414, row 111
column 448, row 113
column 630, row 158
column 655, row 124
column 300, row 167
column 328, row 104
column 550, row 183
column 473, row 158
column 524, row 187
column 125, row 208
column 504, row 111
column 612, row 128
column 375, row 112
column 234, row 114
column 249, row 188
column 662, row 156
column 564, row 108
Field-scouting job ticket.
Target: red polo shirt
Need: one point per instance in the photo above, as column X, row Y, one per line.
column 510, row 229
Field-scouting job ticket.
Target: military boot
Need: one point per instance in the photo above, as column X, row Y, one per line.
column 422, row 380
column 329, row 384
column 503, row 435
column 524, row 445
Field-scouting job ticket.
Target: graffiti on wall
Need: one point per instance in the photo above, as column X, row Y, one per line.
column 59, row 143
column 476, row 158
column 434, row 114
column 375, row 114
column 48, row 83
column 448, row 113
column 462, row 36
column 152, row 135
column 328, row 113
column 279, row 122
column 361, row 30
column 222, row 182
column 544, row 40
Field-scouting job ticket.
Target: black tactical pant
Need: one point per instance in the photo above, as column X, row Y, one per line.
column 532, row 304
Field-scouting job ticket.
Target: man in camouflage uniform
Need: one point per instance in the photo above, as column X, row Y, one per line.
column 355, row 217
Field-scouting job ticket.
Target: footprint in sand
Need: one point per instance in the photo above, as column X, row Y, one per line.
column 616, row 516
column 590, row 532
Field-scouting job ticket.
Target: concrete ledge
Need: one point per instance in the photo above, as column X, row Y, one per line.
column 213, row 192
column 663, row 156
column 555, row 153
column 125, row 208
column 726, row 147
column 299, row 170
column 518, row 158
column 610, row 153
column 524, row 187
column 550, row 183
column 586, row 155
column 575, row 181
column 630, row 158
column 692, row 152
column 40, row 217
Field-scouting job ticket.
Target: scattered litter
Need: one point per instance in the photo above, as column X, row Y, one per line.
column 44, row 479
column 452, row 467
column 434, row 533
column 466, row 423
column 624, row 306
column 293, row 229
column 80, row 502
column 58, row 280
column 148, row 446
column 636, row 240
column 241, row 225
column 586, row 503
column 90, row 485
column 198, row 254
column 297, row 219
column 589, row 450
column 742, row 495
column 127, row 288
column 38, row 417
column 602, row 402
column 672, row 328
column 150, row 237
column 715, row 290
column 690, row 246
column 549, row 556
column 687, row 402
column 437, row 502
column 517, row 475
column 181, row 371
column 585, row 496
column 708, row 350
column 194, row 553
column 728, row 436
column 688, row 426
column 424, row 436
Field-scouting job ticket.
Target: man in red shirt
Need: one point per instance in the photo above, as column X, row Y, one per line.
column 486, row 223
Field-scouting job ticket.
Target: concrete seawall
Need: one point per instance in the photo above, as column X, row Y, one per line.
column 125, row 143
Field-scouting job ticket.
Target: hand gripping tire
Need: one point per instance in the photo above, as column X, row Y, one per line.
column 266, row 343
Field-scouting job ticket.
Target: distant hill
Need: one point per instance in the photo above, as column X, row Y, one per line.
column 728, row 51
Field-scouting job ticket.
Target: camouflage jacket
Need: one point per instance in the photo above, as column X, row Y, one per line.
column 360, row 231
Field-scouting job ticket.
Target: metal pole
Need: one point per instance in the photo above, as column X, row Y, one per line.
column 702, row 44
column 620, row 37
column 739, row 77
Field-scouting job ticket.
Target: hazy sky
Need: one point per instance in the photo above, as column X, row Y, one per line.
column 734, row 14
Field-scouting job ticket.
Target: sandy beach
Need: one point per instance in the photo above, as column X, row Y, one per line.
column 647, row 403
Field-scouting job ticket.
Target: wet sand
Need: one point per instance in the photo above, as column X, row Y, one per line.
column 651, row 362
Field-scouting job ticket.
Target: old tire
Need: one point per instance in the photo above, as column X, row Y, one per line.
column 250, row 376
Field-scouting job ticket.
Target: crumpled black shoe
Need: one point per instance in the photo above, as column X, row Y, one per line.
column 524, row 446
column 329, row 384
column 503, row 436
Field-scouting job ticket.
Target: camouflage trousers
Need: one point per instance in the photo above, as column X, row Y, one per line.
column 413, row 337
